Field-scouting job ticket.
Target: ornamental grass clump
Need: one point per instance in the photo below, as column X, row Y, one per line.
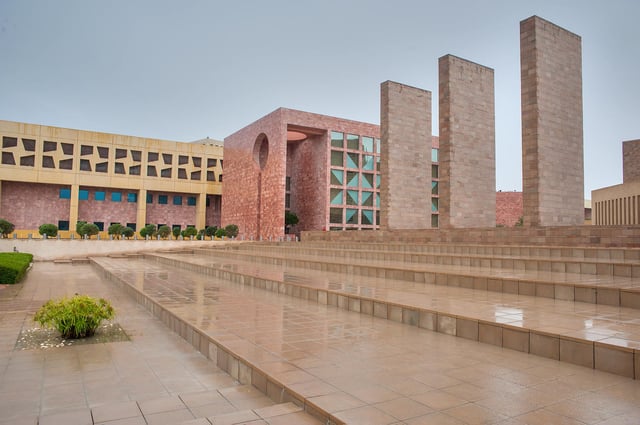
column 76, row 317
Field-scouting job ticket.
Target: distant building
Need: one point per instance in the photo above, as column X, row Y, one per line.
column 620, row 204
column 61, row 176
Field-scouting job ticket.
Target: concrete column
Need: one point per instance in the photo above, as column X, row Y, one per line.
column 630, row 161
column 467, row 159
column 73, row 207
column 405, row 157
column 201, row 211
column 141, row 216
column 552, row 135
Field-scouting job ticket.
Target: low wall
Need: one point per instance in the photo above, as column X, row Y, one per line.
column 56, row 249
column 605, row 236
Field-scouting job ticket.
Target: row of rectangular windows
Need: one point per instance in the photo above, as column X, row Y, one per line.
column 100, row 195
column 64, row 225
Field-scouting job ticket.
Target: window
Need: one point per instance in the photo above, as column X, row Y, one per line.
column 116, row 197
column 49, row 146
column 335, row 215
column 131, row 226
column 182, row 173
column 7, row 159
column 67, row 148
column 434, row 155
column 191, row 201
column 353, row 160
column 100, row 225
column 134, row 170
column 337, row 196
column 366, row 199
column 337, row 139
column 434, row 188
column 287, row 200
column 30, row 145
column 434, row 220
column 119, row 168
column 177, row 200
column 30, row 161
column 63, row 224
column 166, row 173
column 352, row 197
column 99, row 195
column 149, row 198
column 163, row 199
column 352, row 179
column 368, row 162
column 378, row 146
column 212, row 162
column 65, row 193
column 9, row 142
column 434, row 204
column 85, row 165
column 337, row 177
column 337, row 158
column 167, row 158
column 132, row 197
column 366, row 217
column 351, row 216
column 367, row 144
column 83, row 195
column 367, row 180
column 353, row 141
column 65, row 164
column 434, row 171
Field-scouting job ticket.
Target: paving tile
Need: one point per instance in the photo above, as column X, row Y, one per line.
column 75, row 417
column 113, row 411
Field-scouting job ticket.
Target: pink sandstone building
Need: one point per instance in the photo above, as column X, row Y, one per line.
column 324, row 169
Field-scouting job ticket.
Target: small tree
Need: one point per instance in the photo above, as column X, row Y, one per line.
column 290, row 219
column 176, row 231
column 221, row 233
column 188, row 232
column 210, row 231
column 164, row 231
column 128, row 232
column 79, row 226
column 50, row 230
column 200, row 235
column 6, row 228
column 89, row 229
column 231, row 230
column 148, row 230
column 116, row 229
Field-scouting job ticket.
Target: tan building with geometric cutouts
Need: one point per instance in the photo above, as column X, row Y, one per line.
column 620, row 204
column 60, row 176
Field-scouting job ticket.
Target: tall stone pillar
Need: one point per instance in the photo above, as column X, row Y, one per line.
column 73, row 207
column 141, row 215
column 405, row 157
column 201, row 211
column 467, row 144
column 552, row 145
column 630, row 161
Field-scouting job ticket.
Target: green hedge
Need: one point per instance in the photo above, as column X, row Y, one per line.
column 13, row 266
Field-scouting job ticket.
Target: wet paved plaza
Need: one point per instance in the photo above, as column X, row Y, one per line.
column 364, row 369
column 155, row 378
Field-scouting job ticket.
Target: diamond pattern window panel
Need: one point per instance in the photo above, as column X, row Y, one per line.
column 337, row 196
column 353, row 160
column 368, row 162
column 351, row 216
column 352, row 197
column 335, row 215
column 337, row 158
column 366, row 199
column 366, row 217
column 337, row 177
column 367, row 180
column 352, row 179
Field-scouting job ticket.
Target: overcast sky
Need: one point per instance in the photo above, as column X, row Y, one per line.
column 185, row 70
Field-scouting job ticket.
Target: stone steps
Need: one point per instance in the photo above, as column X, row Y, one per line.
column 601, row 337
column 597, row 289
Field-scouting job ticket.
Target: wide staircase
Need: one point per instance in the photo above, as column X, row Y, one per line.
column 574, row 304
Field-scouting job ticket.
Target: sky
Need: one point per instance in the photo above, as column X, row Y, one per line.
column 186, row 70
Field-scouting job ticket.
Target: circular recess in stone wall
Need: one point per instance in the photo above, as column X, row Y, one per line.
column 261, row 150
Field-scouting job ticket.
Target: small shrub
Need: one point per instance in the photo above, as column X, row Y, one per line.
column 188, row 232
column 231, row 230
column 175, row 231
column 6, row 228
column 13, row 266
column 75, row 317
column 116, row 229
column 164, row 231
column 148, row 230
column 220, row 233
column 89, row 229
column 210, row 231
column 128, row 232
column 51, row 230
